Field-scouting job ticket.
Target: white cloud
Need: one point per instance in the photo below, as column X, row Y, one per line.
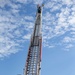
column 49, row 4
column 69, row 46
column 29, row 1
column 16, row 28
column 21, row 1
column 73, row 33
column 29, row 18
column 67, row 40
column 73, row 8
column 72, row 20
column 60, row 22
column 27, row 37
column 7, row 46
column 4, row 2
column 14, row 11
column 55, row 8
column 12, row 30
column 67, row 2
column 38, row 1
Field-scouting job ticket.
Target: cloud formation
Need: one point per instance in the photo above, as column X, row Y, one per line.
column 16, row 24
column 59, row 22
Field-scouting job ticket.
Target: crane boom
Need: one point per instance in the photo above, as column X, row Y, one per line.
column 34, row 53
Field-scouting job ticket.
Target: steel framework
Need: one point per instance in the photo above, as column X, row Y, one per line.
column 34, row 53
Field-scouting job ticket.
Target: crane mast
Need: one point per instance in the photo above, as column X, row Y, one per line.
column 34, row 53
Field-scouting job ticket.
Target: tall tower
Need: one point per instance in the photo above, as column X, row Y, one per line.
column 34, row 53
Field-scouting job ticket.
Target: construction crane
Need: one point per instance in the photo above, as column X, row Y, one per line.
column 34, row 53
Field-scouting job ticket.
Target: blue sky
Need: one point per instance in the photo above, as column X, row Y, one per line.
column 17, row 19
